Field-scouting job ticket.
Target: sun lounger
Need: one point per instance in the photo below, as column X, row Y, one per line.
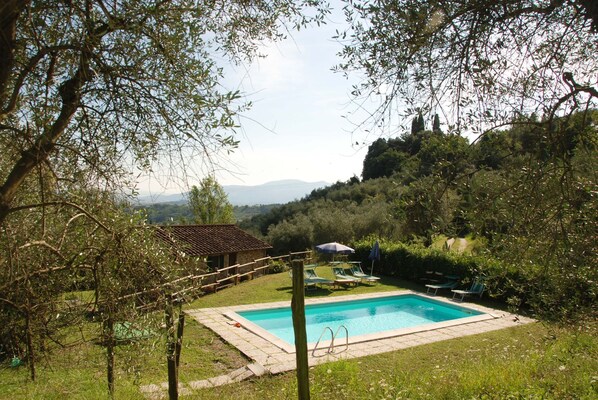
column 357, row 272
column 340, row 275
column 312, row 278
column 451, row 283
column 477, row 287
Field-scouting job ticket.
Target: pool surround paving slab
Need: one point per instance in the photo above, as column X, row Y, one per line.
column 276, row 356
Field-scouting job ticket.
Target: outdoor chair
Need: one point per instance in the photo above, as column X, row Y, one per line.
column 340, row 275
column 477, row 287
column 358, row 273
column 312, row 278
column 451, row 283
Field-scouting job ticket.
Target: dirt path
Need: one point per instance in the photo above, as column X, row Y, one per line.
column 456, row 244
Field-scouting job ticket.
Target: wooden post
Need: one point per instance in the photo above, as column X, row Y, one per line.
column 298, row 309
column 179, row 337
column 173, row 385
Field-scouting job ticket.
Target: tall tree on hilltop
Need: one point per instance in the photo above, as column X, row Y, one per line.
column 209, row 203
column 418, row 124
column 436, row 124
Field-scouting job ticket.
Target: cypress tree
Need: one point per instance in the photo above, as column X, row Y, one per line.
column 436, row 124
column 418, row 124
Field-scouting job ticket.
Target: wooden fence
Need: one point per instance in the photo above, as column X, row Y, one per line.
column 235, row 274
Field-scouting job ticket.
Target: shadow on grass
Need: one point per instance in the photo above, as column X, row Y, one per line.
column 318, row 291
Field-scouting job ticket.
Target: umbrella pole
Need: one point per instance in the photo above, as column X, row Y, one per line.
column 372, row 269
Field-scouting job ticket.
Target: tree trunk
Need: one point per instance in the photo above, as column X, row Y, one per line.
column 30, row 350
column 179, row 336
column 109, row 339
column 9, row 15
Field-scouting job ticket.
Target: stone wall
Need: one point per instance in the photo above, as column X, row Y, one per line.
column 249, row 256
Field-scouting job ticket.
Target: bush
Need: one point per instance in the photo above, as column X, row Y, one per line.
column 277, row 267
column 549, row 292
column 412, row 261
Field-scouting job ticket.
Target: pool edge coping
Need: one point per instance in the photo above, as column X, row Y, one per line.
column 234, row 317
column 275, row 360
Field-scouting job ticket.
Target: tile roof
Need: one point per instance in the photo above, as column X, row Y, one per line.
column 207, row 240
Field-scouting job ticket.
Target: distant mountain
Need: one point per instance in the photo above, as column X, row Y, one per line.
column 176, row 198
column 276, row 192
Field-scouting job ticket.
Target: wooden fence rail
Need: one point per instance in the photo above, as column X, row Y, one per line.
column 235, row 274
column 209, row 282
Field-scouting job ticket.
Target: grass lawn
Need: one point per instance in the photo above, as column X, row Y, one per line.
column 532, row 361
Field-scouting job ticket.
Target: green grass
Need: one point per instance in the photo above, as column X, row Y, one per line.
column 277, row 287
column 529, row 362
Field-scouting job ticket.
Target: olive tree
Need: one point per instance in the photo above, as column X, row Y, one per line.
column 486, row 65
column 106, row 85
column 479, row 63
column 91, row 93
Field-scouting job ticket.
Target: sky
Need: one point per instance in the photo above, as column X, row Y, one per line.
column 296, row 128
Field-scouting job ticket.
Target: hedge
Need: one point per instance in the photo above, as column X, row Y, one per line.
column 550, row 292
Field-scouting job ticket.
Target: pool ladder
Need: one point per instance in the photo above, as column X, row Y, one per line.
column 334, row 335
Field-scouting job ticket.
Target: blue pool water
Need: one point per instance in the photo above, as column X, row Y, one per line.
column 360, row 317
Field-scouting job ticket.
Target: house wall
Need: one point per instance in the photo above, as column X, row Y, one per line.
column 249, row 256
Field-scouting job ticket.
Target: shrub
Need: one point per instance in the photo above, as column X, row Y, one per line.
column 548, row 291
column 277, row 267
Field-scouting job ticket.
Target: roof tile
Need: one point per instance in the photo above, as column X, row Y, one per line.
column 207, row 240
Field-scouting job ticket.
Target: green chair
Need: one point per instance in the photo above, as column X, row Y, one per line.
column 311, row 278
column 340, row 275
column 357, row 272
column 451, row 283
column 477, row 288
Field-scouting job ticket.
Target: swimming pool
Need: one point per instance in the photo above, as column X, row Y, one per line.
column 365, row 319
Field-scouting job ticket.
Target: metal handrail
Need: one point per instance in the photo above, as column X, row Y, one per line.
column 333, row 335
column 346, row 337
column 313, row 353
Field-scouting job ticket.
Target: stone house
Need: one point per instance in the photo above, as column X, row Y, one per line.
column 219, row 246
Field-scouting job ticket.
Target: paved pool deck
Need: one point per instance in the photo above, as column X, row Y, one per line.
column 268, row 356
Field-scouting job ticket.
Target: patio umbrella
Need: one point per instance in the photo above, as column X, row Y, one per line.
column 374, row 255
column 334, row 248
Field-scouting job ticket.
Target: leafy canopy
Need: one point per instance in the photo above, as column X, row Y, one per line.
column 209, row 203
column 90, row 89
column 479, row 63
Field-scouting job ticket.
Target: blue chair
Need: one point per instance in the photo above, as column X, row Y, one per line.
column 451, row 283
column 477, row 287
column 358, row 273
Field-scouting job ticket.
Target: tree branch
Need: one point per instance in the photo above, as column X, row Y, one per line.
column 43, row 243
column 33, row 61
column 70, row 92
column 61, row 203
